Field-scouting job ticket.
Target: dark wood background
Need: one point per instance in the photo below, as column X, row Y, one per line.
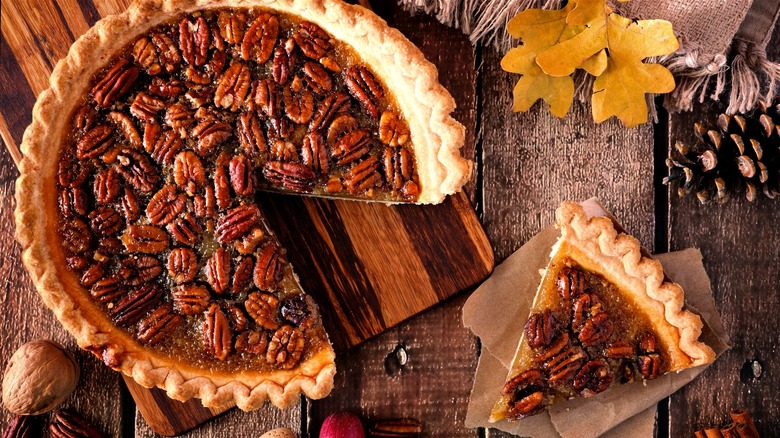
column 527, row 164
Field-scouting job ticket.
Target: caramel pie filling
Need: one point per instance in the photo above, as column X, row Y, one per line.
column 157, row 179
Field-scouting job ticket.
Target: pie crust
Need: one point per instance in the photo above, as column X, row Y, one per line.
column 594, row 245
column 426, row 105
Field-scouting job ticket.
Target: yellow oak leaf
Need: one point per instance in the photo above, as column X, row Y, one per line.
column 539, row 30
column 596, row 64
column 621, row 88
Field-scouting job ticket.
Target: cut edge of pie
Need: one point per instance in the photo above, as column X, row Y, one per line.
column 423, row 101
column 593, row 245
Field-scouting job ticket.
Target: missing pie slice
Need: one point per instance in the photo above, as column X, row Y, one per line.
column 135, row 205
column 603, row 315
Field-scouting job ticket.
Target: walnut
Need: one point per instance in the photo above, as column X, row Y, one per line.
column 263, row 308
column 286, row 347
column 39, row 376
column 253, row 342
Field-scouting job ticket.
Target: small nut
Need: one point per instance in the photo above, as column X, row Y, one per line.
column 39, row 376
column 281, row 432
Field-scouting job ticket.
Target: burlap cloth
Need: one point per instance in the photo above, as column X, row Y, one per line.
column 723, row 42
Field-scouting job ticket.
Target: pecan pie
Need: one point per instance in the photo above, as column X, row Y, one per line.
column 603, row 315
column 136, row 206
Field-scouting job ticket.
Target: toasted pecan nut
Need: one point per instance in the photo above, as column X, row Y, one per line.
column 363, row 176
column 365, row 88
column 145, row 238
column 649, row 365
column 116, row 82
column 252, row 342
column 182, row 265
column 216, row 333
column 137, row 170
column 540, row 329
column 68, row 424
column 241, row 175
column 76, row 236
column 158, row 324
column 139, row 269
column 188, row 172
column 291, row 176
column 231, row 26
column 237, row 222
column 233, row 87
column 185, row 229
column 95, row 142
column 351, row 147
column 594, row 377
column 260, row 38
column 165, row 205
column 218, row 271
column 398, row 165
column 264, row 309
column 597, row 330
column 269, row 268
column 190, row 299
column 620, row 350
column 133, row 306
column 314, row 153
column 105, row 221
column 392, row 129
column 107, row 185
column 286, row 347
column 194, row 40
column 571, row 283
column 312, row 40
column 330, row 108
column 526, row 391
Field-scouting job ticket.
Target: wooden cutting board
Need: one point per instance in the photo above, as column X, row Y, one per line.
column 369, row 266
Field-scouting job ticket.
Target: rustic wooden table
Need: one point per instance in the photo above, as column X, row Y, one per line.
column 526, row 165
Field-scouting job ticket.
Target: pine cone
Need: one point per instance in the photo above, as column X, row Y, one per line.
column 741, row 155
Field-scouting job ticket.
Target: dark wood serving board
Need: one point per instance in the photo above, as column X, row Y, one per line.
column 369, row 266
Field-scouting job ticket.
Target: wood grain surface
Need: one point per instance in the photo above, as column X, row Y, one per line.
column 527, row 163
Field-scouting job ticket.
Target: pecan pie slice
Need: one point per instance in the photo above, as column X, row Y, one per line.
column 603, row 315
column 136, row 203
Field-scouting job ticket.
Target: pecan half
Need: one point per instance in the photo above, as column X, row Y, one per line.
column 165, row 205
column 527, row 394
column 312, row 40
column 166, row 88
column 218, row 270
column 77, row 263
column 286, row 347
column 137, row 270
column 330, row 64
column 107, row 186
column 194, row 40
column 540, row 329
column 115, row 83
column 284, row 151
column 620, row 350
column 238, row 320
column 73, row 201
column 260, row 38
column 133, row 306
column 217, row 333
column 328, row 109
column 648, row 344
column 146, row 107
column 85, row 118
column 594, row 377
column 185, row 229
column 263, row 308
column 314, row 154
column 145, row 55
column 265, row 98
column 396, row 428
column 250, row 135
column 182, row 265
column 242, row 277
column 222, row 187
column 571, row 283
column 284, row 61
column 553, row 349
column 107, row 289
column 169, row 54
column 92, row 275
column 341, row 126
column 233, row 87
column 68, row 424
column 231, row 26
column 249, row 242
column 392, row 129
column 137, row 170
column 252, row 342
column 179, row 116
column 162, row 146
column 190, row 299
column 210, row 133
column 280, row 127
column 298, row 105
column 131, row 208
column 188, row 172
column 363, row 176
column 625, row 372
column 353, row 146
column 291, row 176
column 562, row 367
column 200, row 97
column 145, row 238
column 295, row 309
column 237, row 222
column 582, row 306
column 158, row 324
column 597, row 330
column 126, row 127
column 241, row 175
column 317, row 78
column 107, row 248
column 649, row 365
column 76, row 237
column 94, row 142
column 269, row 268
column 364, row 87
column 398, row 165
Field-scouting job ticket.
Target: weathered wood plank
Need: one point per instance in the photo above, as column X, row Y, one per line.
column 739, row 242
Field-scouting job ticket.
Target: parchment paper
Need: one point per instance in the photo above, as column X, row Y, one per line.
column 498, row 310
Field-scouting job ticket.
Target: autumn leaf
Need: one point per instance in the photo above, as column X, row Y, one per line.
column 539, row 30
column 620, row 90
column 589, row 35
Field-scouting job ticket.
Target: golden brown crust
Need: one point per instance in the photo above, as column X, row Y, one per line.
column 619, row 258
